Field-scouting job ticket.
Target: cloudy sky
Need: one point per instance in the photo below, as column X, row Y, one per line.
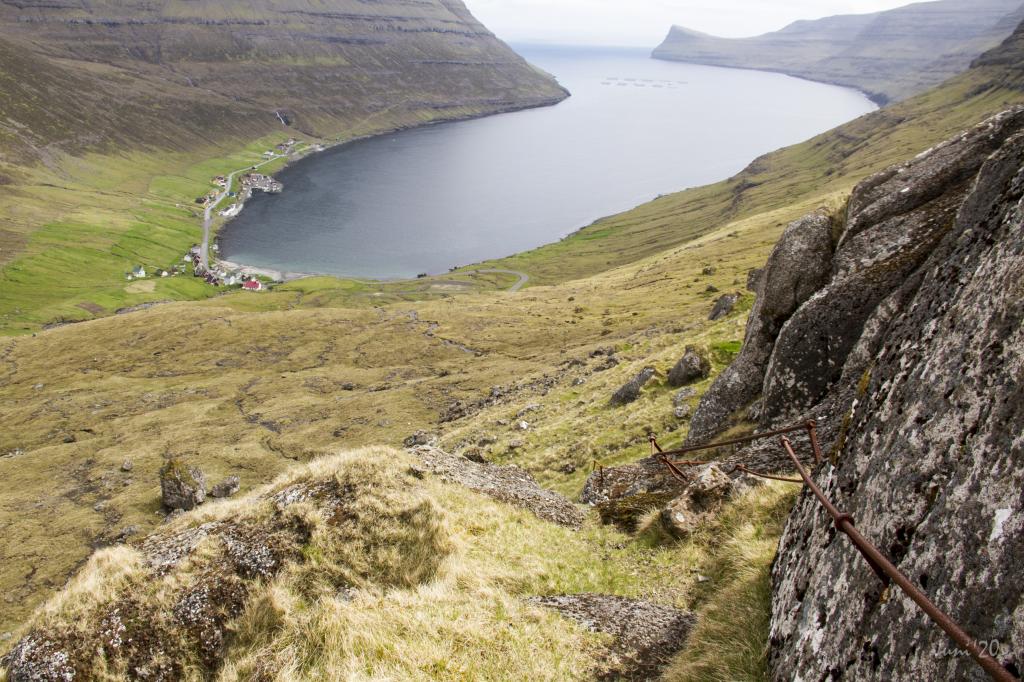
column 645, row 22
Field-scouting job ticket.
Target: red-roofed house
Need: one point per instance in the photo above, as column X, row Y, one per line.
column 253, row 285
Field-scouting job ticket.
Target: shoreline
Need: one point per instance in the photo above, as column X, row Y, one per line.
column 880, row 100
column 326, row 146
column 277, row 273
column 270, row 273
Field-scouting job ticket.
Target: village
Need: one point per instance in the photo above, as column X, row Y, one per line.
column 223, row 187
column 248, row 183
column 217, row 276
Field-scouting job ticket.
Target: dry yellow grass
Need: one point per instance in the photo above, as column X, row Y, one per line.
column 434, row 580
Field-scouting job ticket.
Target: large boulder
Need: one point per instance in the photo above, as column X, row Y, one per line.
column 698, row 503
column 723, row 306
column 928, row 455
column 182, row 487
column 630, row 391
column 798, row 266
column 693, row 366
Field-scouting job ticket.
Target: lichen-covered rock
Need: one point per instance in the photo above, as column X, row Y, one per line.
column 798, row 266
column 181, row 486
column 682, row 395
column 929, row 461
column 508, row 484
column 723, row 306
column 895, row 221
column 420, row 438
column 625, row 493
column 700, row 501
column 630, row 391
column 693, row 366
column 645, row 636
column 226, row 488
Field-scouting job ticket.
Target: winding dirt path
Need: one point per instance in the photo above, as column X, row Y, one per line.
column 523, row 277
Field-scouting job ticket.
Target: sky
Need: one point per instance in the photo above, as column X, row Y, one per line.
column 646, row 22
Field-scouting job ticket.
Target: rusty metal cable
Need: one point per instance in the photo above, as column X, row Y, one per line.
column 674, row 470
column 739, row 441
column 887, row 571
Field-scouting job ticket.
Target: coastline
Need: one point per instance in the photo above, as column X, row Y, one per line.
column 279, row 275
column 269, row 273
column 878, row 99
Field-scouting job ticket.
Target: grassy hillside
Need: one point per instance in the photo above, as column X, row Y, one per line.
column 115, row 116
column 890, row 55
column 145, row 217
column 434, row 588
column 253, row 384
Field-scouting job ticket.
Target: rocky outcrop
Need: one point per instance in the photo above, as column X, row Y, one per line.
column 630, row 391
column 623, row 494
column 910, row 356
column 889, row 55
column 799, row 265
column 698, row 503
column 723, row 306
column 645, row 635
column 182, row 487
column 508, row 484
column 166, row 609
column 820, row 316
column 932, row 463
column 693, row 366
column 895, row 221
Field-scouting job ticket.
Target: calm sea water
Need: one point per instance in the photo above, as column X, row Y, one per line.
column 429, row 199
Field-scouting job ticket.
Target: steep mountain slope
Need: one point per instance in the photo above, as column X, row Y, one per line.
column 889, row 55
column 173, row 74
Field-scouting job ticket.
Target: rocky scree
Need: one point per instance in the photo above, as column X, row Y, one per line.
column 508, row 484
column 645, row 635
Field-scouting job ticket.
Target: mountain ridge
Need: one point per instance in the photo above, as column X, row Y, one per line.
column 222, row 68
column 889, row 55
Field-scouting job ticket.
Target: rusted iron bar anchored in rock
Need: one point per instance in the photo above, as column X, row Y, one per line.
column 888, row 573
column 880, row 564
column 809, row 426
column 674, row 466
